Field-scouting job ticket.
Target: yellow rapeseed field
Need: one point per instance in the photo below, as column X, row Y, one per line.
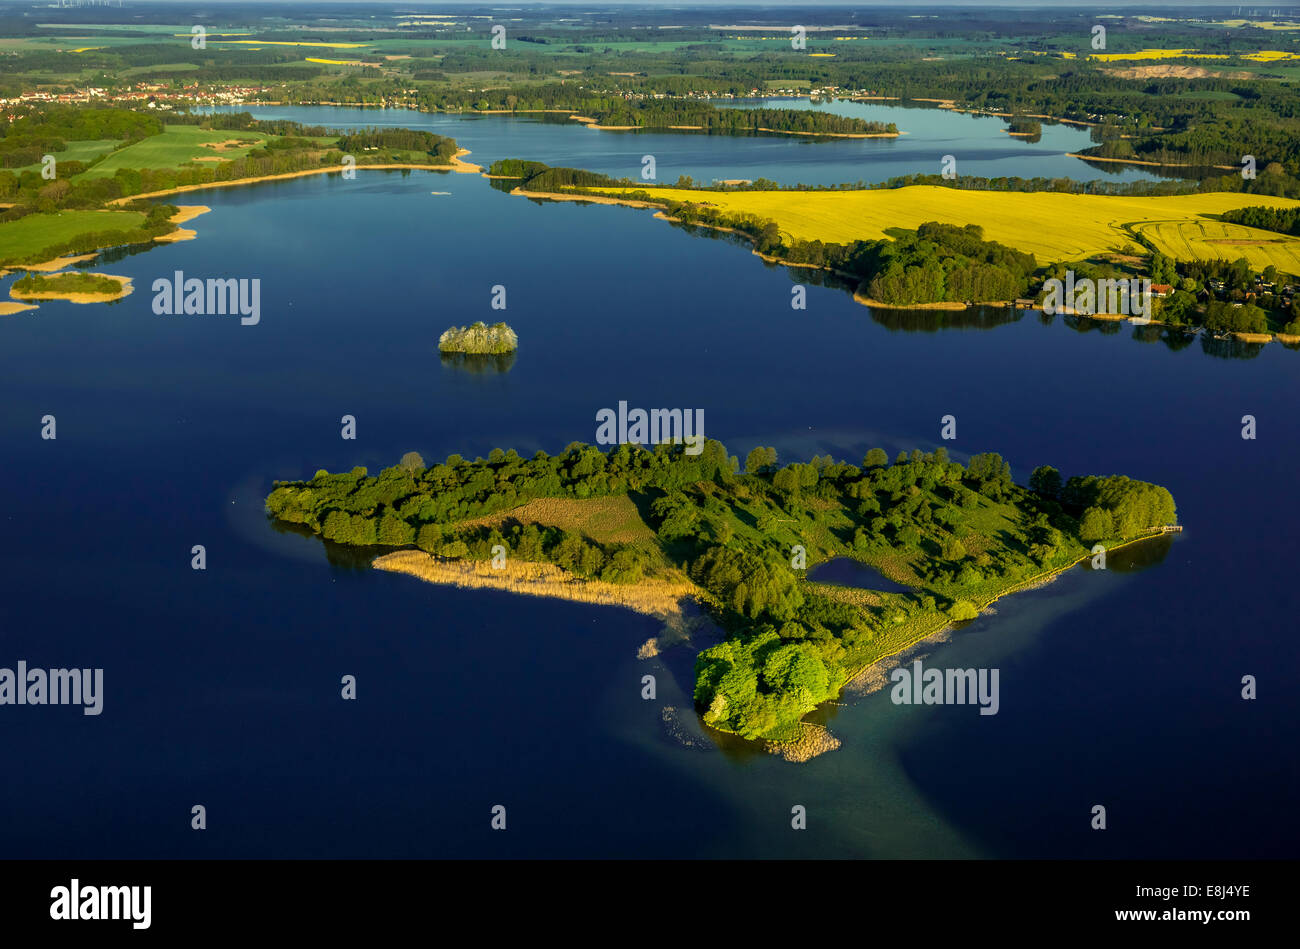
column 1261, row 56
column 1206, row 239
column 287, row 43
column 1054, row 227
column 1155, row 54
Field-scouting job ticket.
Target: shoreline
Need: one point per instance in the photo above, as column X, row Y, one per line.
column 1151, row 164
column 943, row 305
column 949, row 305
column 183, row 215
column 833, row 134
column 462, row 167
column 588, row 198
column 55, row 264
column 1021, row 586
column 662, row 215
column 652, row 596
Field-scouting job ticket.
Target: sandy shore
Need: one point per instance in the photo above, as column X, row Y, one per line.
column 588, row 198
column 124, row 284
column 942, row 305
column 8, row 309
column 834, row 134
column 457, row 165
column 654, row 596
column 58, row 263
column 183, row 214
column 188, row 213
column 813, row 740
column 1152, row 164
column 464, row 167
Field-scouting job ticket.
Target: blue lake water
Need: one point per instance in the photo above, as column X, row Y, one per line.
column 979, row 144
column 1118, row 687
column 847, row 572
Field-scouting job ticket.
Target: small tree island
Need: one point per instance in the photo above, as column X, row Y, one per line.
column 479, row 339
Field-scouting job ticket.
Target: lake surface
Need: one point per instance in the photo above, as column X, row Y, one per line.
column 847, row 572
column 979, row 144
column 222, row 687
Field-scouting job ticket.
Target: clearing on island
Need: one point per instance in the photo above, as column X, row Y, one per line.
column 1054, row 227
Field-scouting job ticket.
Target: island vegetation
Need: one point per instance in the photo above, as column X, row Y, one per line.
column 35, row 286
column 957, row 536
column 479, row 339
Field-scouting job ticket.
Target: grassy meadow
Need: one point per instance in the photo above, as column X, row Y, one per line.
column 177, row 145
column 46, row 230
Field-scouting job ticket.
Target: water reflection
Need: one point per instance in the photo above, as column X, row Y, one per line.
column 478, row 363
column 1229, row 347
column 1134, row 558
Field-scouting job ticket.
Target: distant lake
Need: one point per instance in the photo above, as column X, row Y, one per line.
column 980, row 144
column 847, row 572
column 222, row 687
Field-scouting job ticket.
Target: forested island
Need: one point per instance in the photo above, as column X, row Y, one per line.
column 479, row 339
column 694, row 115
column 737, row 539
column 78, row 287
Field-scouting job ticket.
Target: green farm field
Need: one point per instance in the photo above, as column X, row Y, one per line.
column 21, row 237
column 177, row 145
column 84, row 151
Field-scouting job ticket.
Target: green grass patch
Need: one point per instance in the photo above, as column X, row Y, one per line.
column 26, row 239
column 178, row 145
column 86, row 151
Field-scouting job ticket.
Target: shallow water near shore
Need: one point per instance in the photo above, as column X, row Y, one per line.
column 222, row 687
